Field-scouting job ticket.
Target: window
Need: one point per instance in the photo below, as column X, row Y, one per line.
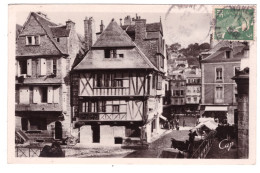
column 219, row 74
column 111, row 53
column 154, row 81
column 32, row 40
column 44, row 93
column 118, row 83
column 101, row 106
column 227, row 54
column 189, row 99
column 182, row 92
column 161, row 61
column 107, row 80
column 58, row 40
column 23, row 66
column 219, row 94
column 54, row 68
column 93, row 106
column 159, row 82
column 121, row 55
column 195, row 99
column 107, row 53
column 99, row 80
column 115, row 108
column 177, row 93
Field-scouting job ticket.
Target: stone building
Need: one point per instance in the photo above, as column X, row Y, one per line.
column 218, row 89
column 177, row 85
column 193, row 91
column 118, row 87
column 45, row 53
column 242, row 80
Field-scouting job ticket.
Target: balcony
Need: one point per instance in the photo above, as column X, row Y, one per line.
column 38, row 107
column 93, row 116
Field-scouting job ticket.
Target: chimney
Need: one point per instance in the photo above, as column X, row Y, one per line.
column 127, row 20
column 102, row 26
column 88, row 32
column 140, row 29
column 70, row 25
column 211, row 41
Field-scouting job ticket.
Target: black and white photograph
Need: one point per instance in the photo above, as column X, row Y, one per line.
column 165, row 82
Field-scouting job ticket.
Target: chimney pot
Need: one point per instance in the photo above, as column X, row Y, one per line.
column 102, row 26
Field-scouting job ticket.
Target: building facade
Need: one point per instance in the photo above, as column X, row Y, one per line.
column 218, row 89
column 193, row 92
column 178, row 93
column 117, row 88
column 45, row 52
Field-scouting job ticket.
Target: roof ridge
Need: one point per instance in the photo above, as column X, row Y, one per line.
column 59, row 49
column 115, row 33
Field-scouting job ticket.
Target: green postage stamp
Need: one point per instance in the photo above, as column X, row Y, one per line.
column 234, row 24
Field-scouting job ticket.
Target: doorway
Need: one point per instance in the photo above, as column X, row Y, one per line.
column 95, row 133
column 58, row 130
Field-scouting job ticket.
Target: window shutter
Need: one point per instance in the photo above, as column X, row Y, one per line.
column 33, row 40
column 26, row 40
column 43, row 66
column 50, row 94
column 17, row 68
column 36, row 95
column 56, row 95
column 24, row 95
column 29, row 67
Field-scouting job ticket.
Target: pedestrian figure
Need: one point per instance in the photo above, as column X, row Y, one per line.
column 177, row 121
column 183, row 122
column 172, row 124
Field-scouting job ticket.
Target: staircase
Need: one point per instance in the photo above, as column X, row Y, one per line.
column 34, row 136
column 21, row 137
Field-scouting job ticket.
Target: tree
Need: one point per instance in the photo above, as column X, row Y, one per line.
column 174, row 47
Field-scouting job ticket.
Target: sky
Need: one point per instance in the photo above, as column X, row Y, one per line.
column 184, row 24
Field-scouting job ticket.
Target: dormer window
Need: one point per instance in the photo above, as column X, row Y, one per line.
column 32, row 40
column 110, row 53
column 228, row 54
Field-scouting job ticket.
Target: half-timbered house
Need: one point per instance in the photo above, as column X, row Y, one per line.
column 45, row 52
column 117, row 89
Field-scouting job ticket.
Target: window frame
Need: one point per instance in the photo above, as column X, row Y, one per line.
column 23, row 66
column 117, row 110
column 219, row 99
column 35, row 40
column 222, row 73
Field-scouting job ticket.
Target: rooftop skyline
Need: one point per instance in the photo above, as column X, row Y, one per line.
column 182, row 24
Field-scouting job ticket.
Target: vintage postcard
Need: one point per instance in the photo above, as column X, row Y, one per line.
column 140, row 83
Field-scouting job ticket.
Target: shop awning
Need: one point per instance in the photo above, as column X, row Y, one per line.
column 162, row 117
column 216, row 108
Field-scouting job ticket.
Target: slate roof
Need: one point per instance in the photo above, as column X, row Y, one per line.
column 218, row 52
column 113, row 36
column 18, row 30
column 133, row 59
column 150, row 27
column 60, row 31
column 46, row 25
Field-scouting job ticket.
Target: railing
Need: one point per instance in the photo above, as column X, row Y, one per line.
column 205, row 146
column 27, row 151
column 120, row 116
